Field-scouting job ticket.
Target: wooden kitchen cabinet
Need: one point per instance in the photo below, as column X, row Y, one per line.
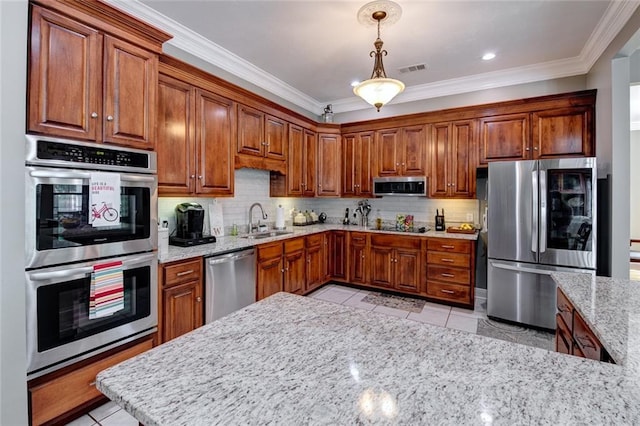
column 573, row 334
column 504, row 137
column 395, row 262
column 65, row 394
column 451, row 270
column 337, row 256
column 402, row 151
column 281, row 267
column 357, row 167
column 301, row 167
column 329, row 165
column 563, row 132
column 85, row 83
column 315, row 256
column 182, row 292
column 452, row 165
column 262, row 140
column 358, row 258
column 196, row 130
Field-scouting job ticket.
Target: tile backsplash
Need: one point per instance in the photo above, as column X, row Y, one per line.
column 252, row 186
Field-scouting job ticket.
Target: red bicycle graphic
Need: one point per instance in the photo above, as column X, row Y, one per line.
column 108, row 213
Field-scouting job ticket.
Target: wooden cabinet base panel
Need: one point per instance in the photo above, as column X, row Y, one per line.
column 68, row 394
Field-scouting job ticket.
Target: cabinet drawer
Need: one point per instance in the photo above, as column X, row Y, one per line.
column 358, row 238
column 449, row 292
column 588, row 343
column 269, row 251
column 395, row 241
column 182, row 272
column 294, row 245
column 563, row 336
column 64, row 393
column 448, row 259
column 449, row 245
column 452, row 275
column 314, row 240
column 565, row 309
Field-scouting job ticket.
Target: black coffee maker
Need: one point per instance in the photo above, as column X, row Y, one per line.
column 189, row 224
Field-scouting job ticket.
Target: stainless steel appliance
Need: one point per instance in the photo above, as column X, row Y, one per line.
column 58, row 228
column 542, row 218
column 412, row 186
column 64, row 249
column 59, row 331
column 230, row 283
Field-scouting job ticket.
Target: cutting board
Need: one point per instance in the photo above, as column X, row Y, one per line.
column 216, row 222
column 453, row 230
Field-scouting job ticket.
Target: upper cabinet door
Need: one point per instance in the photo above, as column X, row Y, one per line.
column 461, row 165
column 65, row 69
column 175, row 143
column 563, row 132
column 275, row 138
column 504, row 137
column 131, row 80
column 295, row 178
column 348, row 164
column 329, row 160
column 215, row 133
column 439, row 183
column 414, row 151
column 388, row 149
column 310, row 163
column 250, row 131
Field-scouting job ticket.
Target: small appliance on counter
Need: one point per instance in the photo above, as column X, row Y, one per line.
column 189, row 223
column 440, row 221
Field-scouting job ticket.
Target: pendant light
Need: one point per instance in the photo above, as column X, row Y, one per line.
column 379, row 89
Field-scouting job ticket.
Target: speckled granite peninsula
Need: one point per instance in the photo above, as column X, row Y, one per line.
column 295, row 360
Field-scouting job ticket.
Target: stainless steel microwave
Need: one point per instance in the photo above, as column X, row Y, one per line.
column 411, row 186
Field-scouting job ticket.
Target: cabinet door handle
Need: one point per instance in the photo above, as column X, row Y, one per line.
column 564, row 308
column 94, row 115
column 200, row 177
column 447, row 291
column 199, row 299
column 193, row 176
column 180, row 274
column 527, row 149
column 109, row 117
column 535, row 148
column 447, row 260
column 447, row 275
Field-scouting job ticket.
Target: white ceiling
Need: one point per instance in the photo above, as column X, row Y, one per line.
column 308, row 52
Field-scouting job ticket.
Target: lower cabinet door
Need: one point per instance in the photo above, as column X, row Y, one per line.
column 294, row 272
column 183, row 309
column 382, row 266
column 269, row 277
column 563, row 337
column 407, row 270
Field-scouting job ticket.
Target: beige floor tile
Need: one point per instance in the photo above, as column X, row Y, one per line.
column 431, row 305
column 119, row 418
column 469, row 313
column 83, row 421
column 355, row 301
column 464, row 323
column 336, row 295
column 391, row 311
column 104, row 410
column 430, row 316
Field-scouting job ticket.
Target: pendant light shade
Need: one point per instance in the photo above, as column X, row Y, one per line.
column 379, row 89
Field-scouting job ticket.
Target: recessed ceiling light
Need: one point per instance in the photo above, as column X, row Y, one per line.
column 354, row 83
column 488, row 56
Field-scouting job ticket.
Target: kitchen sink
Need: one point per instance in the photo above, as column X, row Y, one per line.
column 268, row 234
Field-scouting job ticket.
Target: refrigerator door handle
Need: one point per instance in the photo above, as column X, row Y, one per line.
column 534, row 215
column 521, row 269
column 543, row 211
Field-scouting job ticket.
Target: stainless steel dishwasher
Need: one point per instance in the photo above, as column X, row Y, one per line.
column 230, row 283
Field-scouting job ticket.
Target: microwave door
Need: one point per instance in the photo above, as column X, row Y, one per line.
column 568, row 219
column 513, row 217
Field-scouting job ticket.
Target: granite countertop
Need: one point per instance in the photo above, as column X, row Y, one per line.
column 295, row 360
column 611, row 307
column 232, row 243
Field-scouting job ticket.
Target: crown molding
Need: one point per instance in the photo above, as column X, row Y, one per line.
column 614, row 19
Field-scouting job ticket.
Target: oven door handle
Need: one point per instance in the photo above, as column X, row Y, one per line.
column 73, row 174
column 54, row 275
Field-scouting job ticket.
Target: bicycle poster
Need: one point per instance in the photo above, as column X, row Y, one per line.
column 104, row 198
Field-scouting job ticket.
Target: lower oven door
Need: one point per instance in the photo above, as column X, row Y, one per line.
column 59, row 329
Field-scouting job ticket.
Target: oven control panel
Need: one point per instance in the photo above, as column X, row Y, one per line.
column 60, row 151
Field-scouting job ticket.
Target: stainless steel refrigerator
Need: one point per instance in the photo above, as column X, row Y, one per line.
column 542, row 218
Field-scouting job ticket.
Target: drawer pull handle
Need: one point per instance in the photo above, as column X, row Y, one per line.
column 447, row 247
column 564, row 308
column 447, row 275
column 180, row 274
column 448, row 291
column 92, row 383
column 589, row 344
column 447, row 260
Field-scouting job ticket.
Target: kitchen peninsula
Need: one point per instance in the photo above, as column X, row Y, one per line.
column 295, row 360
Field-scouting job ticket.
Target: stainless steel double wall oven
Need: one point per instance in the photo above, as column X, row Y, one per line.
column 62, row 247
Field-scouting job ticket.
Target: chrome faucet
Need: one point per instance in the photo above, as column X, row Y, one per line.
column 264, row 216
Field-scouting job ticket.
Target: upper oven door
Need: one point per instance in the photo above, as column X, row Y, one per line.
column 58, row 212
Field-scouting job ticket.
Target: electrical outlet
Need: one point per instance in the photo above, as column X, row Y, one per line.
column 469, row 217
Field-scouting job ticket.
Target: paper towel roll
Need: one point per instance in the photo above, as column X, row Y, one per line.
column 280, row 217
